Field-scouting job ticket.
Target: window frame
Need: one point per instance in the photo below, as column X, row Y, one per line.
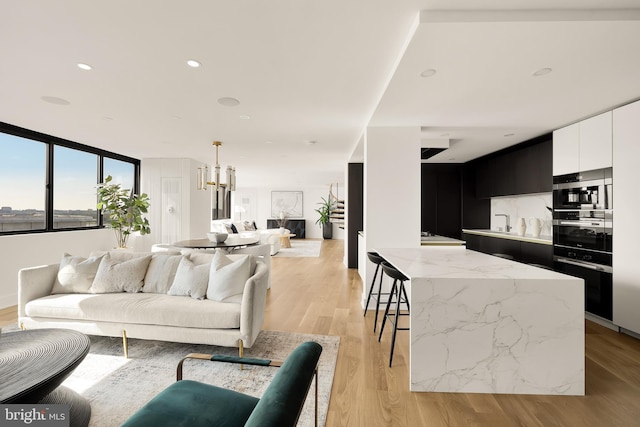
column 51, row 142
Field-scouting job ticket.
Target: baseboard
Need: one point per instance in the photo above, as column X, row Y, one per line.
column 602, row 322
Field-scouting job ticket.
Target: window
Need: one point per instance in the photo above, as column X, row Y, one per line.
column 22, row 184
column 31, row 160
column 123, row 173
column 75, row 174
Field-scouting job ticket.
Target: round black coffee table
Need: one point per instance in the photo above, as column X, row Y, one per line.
column 33, row 363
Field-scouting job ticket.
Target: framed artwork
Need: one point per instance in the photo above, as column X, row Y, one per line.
column 289, row 202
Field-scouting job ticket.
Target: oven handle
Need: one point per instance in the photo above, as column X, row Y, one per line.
column 581, row 223
column 597, row 267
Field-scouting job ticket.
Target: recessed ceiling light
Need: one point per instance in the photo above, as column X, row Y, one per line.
column 86, row 67
column 541, row 72
column 428, row 72
column 444, row 134
column 312, row 142
column 228, row 102
column 452, row 158
column 107, row 118
column 55, row 100
column 509, row 134
column 193, row 63
column 245, row 117
column 268, row 142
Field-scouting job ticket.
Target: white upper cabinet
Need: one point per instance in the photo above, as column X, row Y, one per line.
column 595, row 142
column 566, row 150
column 583, row 146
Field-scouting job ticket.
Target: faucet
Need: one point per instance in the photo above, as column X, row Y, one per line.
column 507, row 226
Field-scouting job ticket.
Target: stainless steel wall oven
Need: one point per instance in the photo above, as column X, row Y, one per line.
column 583, row 234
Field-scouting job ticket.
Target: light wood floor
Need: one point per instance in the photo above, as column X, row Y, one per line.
column 321, row 296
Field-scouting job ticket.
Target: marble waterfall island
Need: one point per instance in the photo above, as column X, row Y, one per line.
column 483, row 324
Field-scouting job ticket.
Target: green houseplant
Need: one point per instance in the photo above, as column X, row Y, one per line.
column 124, row 210
column 326, row 206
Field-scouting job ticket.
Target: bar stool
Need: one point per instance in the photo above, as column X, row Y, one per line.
column 377, row 260
column 400, row 293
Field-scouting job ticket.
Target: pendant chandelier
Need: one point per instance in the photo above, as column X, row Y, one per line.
column 221, row 196
column 203, row 174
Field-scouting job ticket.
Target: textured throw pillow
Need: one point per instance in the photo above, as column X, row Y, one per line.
column 249, row 226
column 125, row 276
column 227, row 277
column 234, row 230
column 161, row 272
column 191, row 279
column 75, row 274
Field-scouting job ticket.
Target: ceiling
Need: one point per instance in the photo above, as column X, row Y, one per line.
column 311, row 76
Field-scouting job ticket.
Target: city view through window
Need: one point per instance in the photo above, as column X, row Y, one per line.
column 23, row 177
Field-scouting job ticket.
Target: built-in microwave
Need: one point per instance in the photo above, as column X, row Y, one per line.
column 584, row 229
column 584, row 190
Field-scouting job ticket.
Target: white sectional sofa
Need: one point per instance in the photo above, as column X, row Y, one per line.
column 201, row 298
column 248, row 229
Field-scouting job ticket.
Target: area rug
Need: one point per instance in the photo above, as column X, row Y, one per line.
column 301, row 248
column 117, row 387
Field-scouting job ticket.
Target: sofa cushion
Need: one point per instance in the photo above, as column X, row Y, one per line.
column 161, row 272
column 191, row 279
column 140, row 308
column 227, row 277
column 120, row 276
column 75, row 274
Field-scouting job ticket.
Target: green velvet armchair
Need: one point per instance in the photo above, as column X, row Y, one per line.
column 194, row 404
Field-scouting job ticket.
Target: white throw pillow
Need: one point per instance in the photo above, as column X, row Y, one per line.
column 191, row 279
column 75, row 274
column 125, row 276
column 160, row 273
column 227, row 277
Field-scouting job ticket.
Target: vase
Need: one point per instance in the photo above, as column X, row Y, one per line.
column 521, row 227
column 536, row 226
column 282, row 230
column 327, row 230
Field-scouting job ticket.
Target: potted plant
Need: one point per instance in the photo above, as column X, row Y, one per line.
column 326, row 206
column 124, row 209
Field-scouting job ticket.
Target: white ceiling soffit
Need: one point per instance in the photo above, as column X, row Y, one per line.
column 483, row 95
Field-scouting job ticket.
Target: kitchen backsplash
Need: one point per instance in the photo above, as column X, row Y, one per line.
column 526, row 206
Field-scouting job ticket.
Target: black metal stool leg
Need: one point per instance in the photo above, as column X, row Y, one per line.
column 375, row 320
column 395, row 324
column 406, row 298
column 373, row 282
column 386, row 310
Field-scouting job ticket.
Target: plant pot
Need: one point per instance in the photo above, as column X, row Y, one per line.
column 327, row 230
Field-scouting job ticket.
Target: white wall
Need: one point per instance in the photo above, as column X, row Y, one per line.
column 259, row 206
column 178, row 210
column 28, row 250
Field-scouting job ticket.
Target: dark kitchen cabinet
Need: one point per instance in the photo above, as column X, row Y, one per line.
column 534, row 253
column 525, row 252
column 534, row 168
column 523, row 169
column 441, row 201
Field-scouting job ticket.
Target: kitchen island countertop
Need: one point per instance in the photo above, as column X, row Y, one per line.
column 484, row 324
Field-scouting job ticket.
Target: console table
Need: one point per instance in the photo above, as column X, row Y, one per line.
column 297, row 226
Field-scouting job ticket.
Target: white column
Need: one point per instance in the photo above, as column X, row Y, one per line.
column 392, row 190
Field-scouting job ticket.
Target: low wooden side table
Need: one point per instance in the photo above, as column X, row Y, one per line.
column 33, row 363
column 285, row 240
